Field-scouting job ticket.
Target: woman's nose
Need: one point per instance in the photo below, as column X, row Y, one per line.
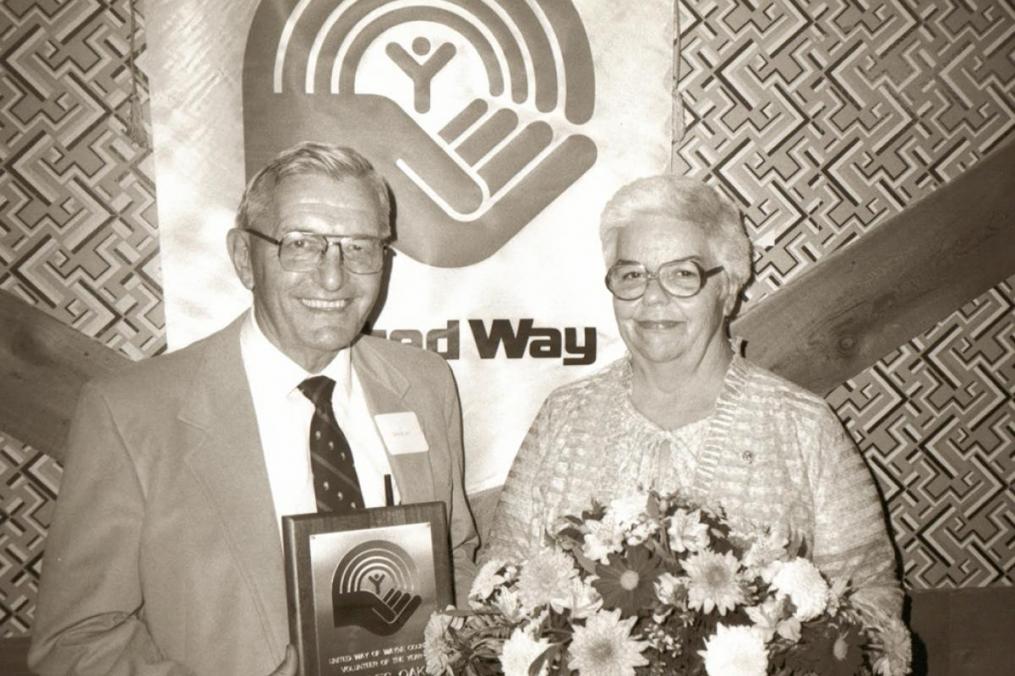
column 654, row 292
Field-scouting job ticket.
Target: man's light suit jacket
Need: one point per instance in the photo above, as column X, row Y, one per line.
column 164, row 556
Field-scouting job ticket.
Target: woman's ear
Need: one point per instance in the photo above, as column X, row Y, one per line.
column 238, row 243
column 731, row 297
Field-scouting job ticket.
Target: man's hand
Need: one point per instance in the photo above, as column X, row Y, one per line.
column 289, row 664
column 380, row 616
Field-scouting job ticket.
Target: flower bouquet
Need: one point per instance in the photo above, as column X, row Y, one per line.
column 652, row 584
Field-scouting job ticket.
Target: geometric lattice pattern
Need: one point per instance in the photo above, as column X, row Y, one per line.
column 78, row 234
column 822, row 119
column 30, row 480
column 77, row 201
column 936, row 421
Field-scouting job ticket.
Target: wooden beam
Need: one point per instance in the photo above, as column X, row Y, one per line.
column 858, row 304
column 43, row 364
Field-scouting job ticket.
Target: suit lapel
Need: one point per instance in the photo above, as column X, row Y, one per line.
column 388, row 391
column 227, row 459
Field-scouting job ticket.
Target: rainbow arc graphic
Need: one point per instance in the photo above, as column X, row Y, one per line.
column 377, row 567
column 475, row 181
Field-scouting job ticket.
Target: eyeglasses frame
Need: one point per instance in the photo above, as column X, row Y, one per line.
column 704, row 274
column 328, row 239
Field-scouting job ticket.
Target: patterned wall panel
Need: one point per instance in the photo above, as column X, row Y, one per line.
column 30, row 480
column 821, row 118
column 77, row 226
column 77, row 199
column 936, row 420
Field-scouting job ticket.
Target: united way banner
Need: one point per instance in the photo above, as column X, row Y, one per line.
column 502, row 127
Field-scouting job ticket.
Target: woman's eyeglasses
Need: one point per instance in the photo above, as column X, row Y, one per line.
column 679, row 278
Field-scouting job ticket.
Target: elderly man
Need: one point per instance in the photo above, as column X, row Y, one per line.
column 165, row 553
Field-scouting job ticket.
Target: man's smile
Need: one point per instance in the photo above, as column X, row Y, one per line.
column 330, row 305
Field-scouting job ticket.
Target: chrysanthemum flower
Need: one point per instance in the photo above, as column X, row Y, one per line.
column 803, row 583
column 687, row 532
column 487, row 579
column 897, row 657
column 628, row 582
column 520, row 651
column 439, row 650
column 735, row 651
column 545, row 577
column 605, row 647
column 713, row 582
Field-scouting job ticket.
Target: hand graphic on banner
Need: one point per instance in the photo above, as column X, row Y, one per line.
column 379, row 616
column 462, row 191
column 465, row 191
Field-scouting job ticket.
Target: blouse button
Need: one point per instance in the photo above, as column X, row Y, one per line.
column 747, row 456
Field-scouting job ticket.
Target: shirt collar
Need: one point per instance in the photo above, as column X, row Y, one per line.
column 273, row 371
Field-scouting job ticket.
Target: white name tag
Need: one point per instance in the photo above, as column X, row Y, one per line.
column 401, row 433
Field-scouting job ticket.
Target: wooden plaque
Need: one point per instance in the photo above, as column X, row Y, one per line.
column 362, row 586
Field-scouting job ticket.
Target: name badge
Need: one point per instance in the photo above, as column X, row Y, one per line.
column 401, row 433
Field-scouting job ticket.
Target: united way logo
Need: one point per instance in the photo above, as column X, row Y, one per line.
column 472, row 109
column 375, row 587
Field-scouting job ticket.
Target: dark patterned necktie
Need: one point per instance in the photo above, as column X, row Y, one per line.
column 335, row 482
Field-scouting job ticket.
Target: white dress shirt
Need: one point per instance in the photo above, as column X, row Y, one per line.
column 283, row 421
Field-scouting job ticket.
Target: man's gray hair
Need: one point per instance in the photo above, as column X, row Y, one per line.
column 682, row 199
column 310, row 158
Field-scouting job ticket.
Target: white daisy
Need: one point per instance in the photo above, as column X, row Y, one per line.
column 602, row 539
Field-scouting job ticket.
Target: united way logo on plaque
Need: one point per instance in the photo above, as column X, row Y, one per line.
column 376, row 585
column 474, row 110
column 362, row 587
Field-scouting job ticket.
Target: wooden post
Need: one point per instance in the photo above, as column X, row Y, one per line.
column 43, row 365
column 855, row 306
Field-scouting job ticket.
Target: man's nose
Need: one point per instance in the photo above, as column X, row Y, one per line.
column 331, row 271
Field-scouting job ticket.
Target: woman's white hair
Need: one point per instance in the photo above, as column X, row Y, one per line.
column 687, row 200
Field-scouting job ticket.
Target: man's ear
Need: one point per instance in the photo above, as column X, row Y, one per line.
column 239, row 252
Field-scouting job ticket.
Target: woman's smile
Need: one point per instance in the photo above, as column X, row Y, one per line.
column 658, row 324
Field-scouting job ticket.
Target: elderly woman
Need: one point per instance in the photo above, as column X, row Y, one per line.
column 683, row 412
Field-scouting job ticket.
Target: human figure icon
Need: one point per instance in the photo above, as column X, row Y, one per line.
column 376, row 581
column 421, row 68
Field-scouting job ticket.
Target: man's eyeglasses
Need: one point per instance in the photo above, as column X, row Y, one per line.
column 304, row 251
column 680, row 278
